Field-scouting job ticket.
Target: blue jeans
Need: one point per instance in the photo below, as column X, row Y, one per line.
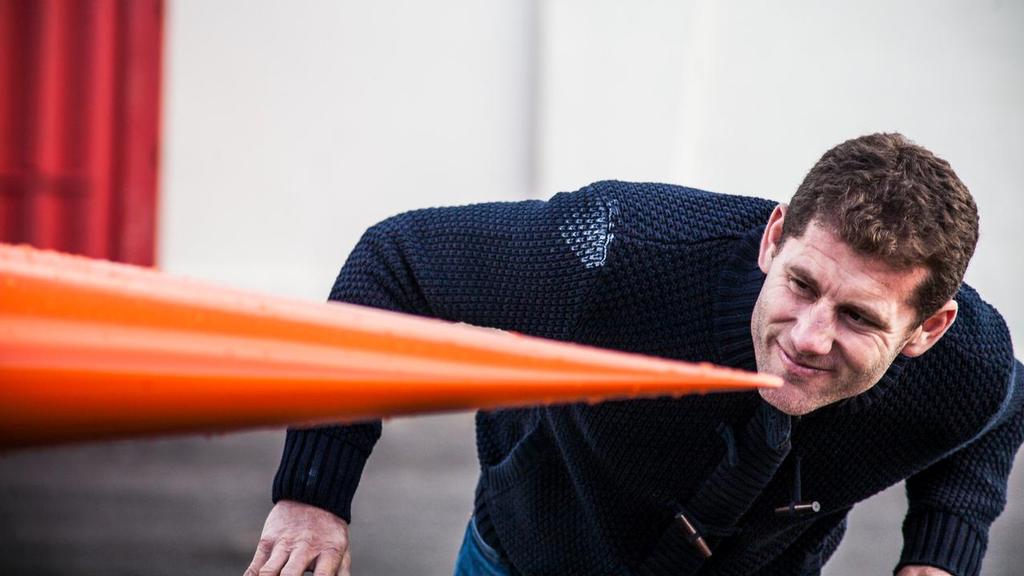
column 476, row 558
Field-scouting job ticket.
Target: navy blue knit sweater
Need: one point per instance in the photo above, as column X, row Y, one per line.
column 671, row 271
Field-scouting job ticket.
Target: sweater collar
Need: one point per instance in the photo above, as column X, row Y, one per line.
column 739, row 285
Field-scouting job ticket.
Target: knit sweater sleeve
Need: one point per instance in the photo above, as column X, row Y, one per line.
column 953, row 503
column 523, row 266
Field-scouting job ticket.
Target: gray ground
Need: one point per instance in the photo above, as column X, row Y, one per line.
column 196, row 506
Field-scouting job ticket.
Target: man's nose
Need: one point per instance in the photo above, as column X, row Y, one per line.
column 814, row 331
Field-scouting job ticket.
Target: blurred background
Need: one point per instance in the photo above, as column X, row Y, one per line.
column 249, row 143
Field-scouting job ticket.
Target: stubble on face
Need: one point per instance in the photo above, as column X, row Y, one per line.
column 800, row 395
column 855, row 358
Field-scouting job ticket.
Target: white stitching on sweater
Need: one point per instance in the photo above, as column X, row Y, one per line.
column 589, row 233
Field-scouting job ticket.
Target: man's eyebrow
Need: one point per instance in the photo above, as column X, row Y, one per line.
column 805, row 276
column 867, row 313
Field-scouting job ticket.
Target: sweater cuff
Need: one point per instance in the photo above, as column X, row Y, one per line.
column 942, row 540
column 319, row 469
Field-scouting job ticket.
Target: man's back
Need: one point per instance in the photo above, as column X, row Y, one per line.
column 593, row 489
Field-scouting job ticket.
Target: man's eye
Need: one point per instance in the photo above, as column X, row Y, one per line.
column 857, row 318
column 799, row 286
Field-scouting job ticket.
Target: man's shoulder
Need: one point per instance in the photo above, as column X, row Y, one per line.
column 644, row 211
column 973, row 363
column 980, row 329
column 670, row 213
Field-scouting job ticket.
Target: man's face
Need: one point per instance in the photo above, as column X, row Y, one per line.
column 828, row 321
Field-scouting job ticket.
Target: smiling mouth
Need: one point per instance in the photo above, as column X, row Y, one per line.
column 798, row 367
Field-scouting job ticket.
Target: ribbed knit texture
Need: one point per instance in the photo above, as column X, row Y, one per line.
column 320, row 468
column 671, row 271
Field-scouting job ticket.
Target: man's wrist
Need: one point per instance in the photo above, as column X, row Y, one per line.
column 942, row 540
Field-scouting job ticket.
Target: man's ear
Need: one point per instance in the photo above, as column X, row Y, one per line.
column 770, row 238
column 929, row 332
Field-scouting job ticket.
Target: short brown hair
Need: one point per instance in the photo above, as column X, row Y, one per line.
column 889, row 198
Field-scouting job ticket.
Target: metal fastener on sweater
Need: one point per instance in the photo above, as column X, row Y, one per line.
column 692, row 536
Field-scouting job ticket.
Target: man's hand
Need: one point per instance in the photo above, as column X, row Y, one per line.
column 298, row 536
column 922, row 571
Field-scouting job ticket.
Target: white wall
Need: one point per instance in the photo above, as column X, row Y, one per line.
column 744, row 97
column 290, row 127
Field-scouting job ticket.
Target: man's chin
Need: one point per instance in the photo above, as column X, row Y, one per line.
column 786, row 400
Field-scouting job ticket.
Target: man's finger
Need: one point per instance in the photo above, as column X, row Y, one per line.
column 298, row 561
column 263, row 550
column 346, row 565
column 328, row 563
column 277, row 559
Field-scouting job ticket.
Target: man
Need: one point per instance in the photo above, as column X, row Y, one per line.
column 847, row 294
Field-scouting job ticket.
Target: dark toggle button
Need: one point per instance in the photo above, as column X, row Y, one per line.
column 692, row 536
column 799, row 509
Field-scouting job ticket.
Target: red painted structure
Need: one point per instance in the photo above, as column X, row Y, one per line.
column 79, row 125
